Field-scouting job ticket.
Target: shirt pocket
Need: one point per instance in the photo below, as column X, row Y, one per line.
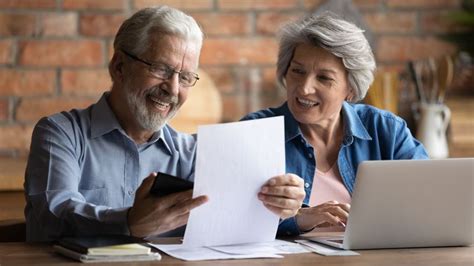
column 97, row 196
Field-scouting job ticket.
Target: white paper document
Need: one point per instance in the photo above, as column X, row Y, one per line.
column 202, row 253
column 272, row 249
column 233, row 161
column 326, row 250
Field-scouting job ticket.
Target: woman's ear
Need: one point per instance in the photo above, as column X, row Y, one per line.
column 350, row 96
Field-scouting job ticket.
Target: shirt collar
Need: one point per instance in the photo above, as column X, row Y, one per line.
column 292, row 129
column 103, row 121
column 352, row 123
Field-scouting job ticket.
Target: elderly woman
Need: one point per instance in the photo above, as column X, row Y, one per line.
column 326, row 66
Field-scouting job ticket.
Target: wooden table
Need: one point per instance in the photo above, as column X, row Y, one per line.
column 22, row 253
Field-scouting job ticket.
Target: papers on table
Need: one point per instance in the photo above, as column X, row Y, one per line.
column 271, row 249
column 233, row 161
column 326, row 250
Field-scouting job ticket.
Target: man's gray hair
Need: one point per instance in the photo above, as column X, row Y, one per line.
column 133, row 35
column 341, row 38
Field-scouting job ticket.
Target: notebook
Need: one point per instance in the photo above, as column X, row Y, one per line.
column 410, row 203
column 105, row 248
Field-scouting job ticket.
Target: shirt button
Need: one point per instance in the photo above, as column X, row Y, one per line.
column 310, row 155
column 306, row 185
column 131, row 192
column 302, row 140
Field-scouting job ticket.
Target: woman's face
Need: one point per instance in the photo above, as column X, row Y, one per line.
column 316, row 83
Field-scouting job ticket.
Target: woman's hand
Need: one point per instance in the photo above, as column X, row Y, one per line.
column 327, row 214
column 283, row 195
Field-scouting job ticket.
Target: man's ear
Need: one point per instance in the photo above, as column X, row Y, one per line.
column 116, row 67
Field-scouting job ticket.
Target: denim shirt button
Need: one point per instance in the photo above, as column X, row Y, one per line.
column 347, row 139
column 306, row 185
column 310, row 155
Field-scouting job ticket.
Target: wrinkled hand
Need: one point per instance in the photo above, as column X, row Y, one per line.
column 283, row 195
column 327, row 214
column 151, row 215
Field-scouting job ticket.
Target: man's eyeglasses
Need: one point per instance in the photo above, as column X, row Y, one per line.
column 163, row 71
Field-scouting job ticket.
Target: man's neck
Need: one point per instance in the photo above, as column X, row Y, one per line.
column 128, row 124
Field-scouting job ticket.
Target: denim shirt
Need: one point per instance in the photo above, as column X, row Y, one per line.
column 369, row 134
column 83, row 171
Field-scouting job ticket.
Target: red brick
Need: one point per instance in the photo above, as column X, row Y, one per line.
column 312, row 4
column 85, row 82
column 271, row 22
column 402, row 49
column 100, row 25
column 225, row 24
column 27, row 3
column 61, row 53
column 363, row 4
column 3, row 109
column 55, row 24
column 423, row 3
column 26, row 82
column 222, row 78
column 95, row 4
column 180, row 4
column 392, row 22
column 256, row 4
column 6, row 51
column 438, row 22
column 17, row 24
column 32, row 109
column 15, row 137
column 239, row 51
column 269, row 82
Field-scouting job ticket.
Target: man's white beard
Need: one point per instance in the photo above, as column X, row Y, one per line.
column 148, row 120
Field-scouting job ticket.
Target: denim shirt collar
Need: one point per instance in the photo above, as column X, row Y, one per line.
column 103, row 121
column 352, row 124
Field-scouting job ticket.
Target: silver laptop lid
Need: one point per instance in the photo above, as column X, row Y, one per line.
column 412, row 203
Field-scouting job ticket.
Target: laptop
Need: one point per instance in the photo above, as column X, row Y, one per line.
column 410, row 203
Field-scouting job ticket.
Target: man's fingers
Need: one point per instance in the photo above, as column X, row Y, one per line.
column 144, row 189
column 186, row 206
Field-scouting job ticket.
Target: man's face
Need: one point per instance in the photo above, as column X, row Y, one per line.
column 153, row 101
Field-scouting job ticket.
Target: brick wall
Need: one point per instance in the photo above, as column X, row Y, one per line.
column 54, row 53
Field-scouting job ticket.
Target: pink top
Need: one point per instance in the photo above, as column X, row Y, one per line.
column 326, row 187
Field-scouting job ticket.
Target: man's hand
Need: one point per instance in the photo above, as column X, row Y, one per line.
column 283, row 195
column 330, row 213
column 150, row 215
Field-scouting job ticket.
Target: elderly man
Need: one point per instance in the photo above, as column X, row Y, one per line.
column 90, row 171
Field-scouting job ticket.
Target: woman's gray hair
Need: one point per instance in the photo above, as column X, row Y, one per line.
column 133, row 35
column 341, row 38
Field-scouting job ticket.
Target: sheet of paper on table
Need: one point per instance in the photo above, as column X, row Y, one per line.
column 272, row 249
column 233, row 161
